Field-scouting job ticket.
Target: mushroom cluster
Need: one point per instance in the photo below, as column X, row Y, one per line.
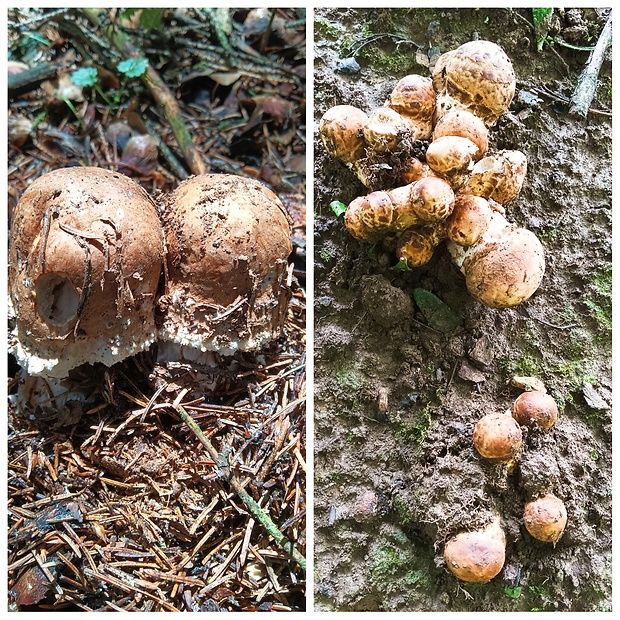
column 89, row 248
column 429, row 144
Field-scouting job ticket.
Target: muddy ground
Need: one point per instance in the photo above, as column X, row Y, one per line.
column 393, row 482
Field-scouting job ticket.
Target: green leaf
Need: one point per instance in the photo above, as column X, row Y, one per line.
column 85, row 76
column 401, row 265
column 438, row 314
column 151, row 18
column 542, row 18
column 133, row 67
column 337, row 207
column 513, row 591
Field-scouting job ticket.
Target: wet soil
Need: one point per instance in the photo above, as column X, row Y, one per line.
column 396, row 400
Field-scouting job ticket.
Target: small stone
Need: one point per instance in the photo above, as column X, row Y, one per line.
column 348, row 66
column 593, row 398
column 469, row 373
column 481, row 352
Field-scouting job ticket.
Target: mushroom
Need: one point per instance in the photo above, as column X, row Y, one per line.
column 535, row 409
column 477, row 77
column 414, row 99
column 416, row 246
column 477, row 556
column 228, row 240
column 546, row 518
column 498, row 437
column 452, row 157
column 464, row 124
column 499, row 176
column 505, row 267
column 341, row 131
column 469, row 220
column 85, row 258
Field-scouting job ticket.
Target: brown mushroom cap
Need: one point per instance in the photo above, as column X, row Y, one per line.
column 507, row 271
column 341, row 131
column 546, row 518
column 477, row 556
column 497, row 436
column 535, row 409
column 416, row 246
column 86, row 254
column 450, row 156
column 498, row 177
column 228, row 240
column 469, row 219
column 464, row 124
column 414, row 98
column 478, row 77
column 384, row 130
column 432, row 199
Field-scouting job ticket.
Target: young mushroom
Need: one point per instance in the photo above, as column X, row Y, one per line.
column 498, row 437
column 498, row 177
column 546, row 518
column 341, row 131
column 414, row 99
column 477, row 556
column 535, row 409
column 85, row 259
column 228, row 240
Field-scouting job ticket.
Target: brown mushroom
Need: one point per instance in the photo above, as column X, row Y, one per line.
column 341, row 131
column 478, row 77
column 228, row 240
column 384, row 130
column 498, row 437
column 452, row 157
column 414, row 99
column 535, row 409
column 505, row 267
column 86, row 255
column 477, row 556
column 469, row 219
column 498, row 177
column 416, row 246
column 464, row 124
column 546, row 518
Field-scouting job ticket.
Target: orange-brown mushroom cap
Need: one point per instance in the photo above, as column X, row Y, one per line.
column 228, row 240
column 535, row 409
column 86, row 254
column 545, row 518
column 497, row 436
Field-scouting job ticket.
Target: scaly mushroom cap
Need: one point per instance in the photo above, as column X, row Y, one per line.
column 506, row 271
column 341, row 131
column 497, row 436
column 464, row 124
column 478, row 77
column 432, row 199
column 228, row 239
column 414, row 98
column 469, row 219
column 452, row 157
column 384, row 130
column 498, row 177
column 86, row 254
column 535, row 409
column 546, row 518
column 478, row 556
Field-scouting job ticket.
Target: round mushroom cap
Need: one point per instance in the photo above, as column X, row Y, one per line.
column 464, row 124
column 497, row 436
column 384, row 130
column 546, row 518
column 228, row 240
column 414, row 98
column 451, row 155
column 86, row 255
column 506, row 272
column 478, row 77
column 432, row 199
column 341, row 131
column 535, row 409
column 498, row 177
column 469, row 219
column 416, row 246
column 478, row 556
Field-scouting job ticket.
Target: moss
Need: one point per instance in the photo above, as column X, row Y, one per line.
column 414, row 430
column 403, row 510
column 328, row 29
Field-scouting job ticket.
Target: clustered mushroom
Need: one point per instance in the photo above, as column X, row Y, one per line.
column 470, row 88
column 478, row 556
column 87, row 250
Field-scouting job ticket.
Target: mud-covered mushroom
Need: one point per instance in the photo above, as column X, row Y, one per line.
column 478, row 77
column 477, row 556
column 452, row 157
column 228, row 240
column 85, row 259
column 384, row 130
column 498, row 437
column 535, row 409
column 498, row 177
column 505, row 267
column 545, row 518
column 341, row 131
